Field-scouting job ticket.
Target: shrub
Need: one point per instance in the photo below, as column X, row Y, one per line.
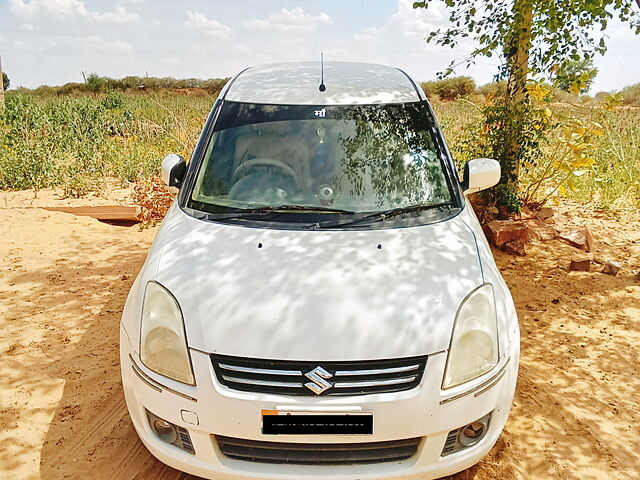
column 25, row 160
column 214, row 85
column 601, row 97
column 72, row 88
column 559, row 95
column 99, row 85
column 450, row 88
column 60, row 142
column 631, row 95
column 114, row 99
column 493, row 89
column 96, row 83
column 575, row 76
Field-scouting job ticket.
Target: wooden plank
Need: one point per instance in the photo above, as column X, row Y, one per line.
column 130, row 213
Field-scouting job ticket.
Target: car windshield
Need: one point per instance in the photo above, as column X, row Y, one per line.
column 354, row 158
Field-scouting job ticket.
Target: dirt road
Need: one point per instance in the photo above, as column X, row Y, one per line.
column 64, row 279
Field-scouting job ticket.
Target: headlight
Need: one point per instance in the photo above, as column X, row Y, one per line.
column 163, row 345
column 474, row 342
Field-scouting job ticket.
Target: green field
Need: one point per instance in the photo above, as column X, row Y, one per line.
column 76, row 142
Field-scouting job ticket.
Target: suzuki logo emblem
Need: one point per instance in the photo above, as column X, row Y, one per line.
column 318, row 384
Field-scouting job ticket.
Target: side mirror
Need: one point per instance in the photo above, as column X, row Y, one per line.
column 173, row 170
column 479, row 174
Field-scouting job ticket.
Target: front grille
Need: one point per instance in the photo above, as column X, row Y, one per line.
column 317, row 453
column 324, row 378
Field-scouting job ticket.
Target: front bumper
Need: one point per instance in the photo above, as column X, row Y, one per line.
column 212, row 409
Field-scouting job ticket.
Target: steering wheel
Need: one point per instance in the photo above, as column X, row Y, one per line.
column 244, row 167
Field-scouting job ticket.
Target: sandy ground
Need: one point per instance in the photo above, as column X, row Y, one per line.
column 113, row 194
column 64, row 279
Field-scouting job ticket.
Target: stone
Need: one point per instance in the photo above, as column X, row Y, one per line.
column 580, row 265
column 541, row 231
column 579, row 238
column 544, row 213
column 514, row 247
column 526, row 213
column 612, row 267
column 500, row 232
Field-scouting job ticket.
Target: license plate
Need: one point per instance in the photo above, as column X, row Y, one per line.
column 277, row 422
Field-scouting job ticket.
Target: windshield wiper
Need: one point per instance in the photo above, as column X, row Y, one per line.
column 266, row 210
column 384, row 215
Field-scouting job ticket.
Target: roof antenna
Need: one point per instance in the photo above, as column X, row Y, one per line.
column 322, row 88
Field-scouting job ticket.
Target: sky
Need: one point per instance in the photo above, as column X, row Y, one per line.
column 51, row 42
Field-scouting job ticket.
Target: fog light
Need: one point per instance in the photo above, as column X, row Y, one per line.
column 164, row 430
column 471, row 433
column 473, row 430
column 170, row 433
column 466, row 436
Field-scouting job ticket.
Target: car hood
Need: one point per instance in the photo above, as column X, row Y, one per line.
column 318, row 295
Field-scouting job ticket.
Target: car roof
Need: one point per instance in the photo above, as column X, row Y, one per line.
column 347, row 83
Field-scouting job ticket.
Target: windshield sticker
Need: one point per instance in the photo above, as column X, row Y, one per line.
column 320, row 113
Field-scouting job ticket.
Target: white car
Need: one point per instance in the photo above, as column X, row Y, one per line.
column 320, row 300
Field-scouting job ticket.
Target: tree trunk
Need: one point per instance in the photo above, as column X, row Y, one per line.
column 517, row 54
column 519, row 47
